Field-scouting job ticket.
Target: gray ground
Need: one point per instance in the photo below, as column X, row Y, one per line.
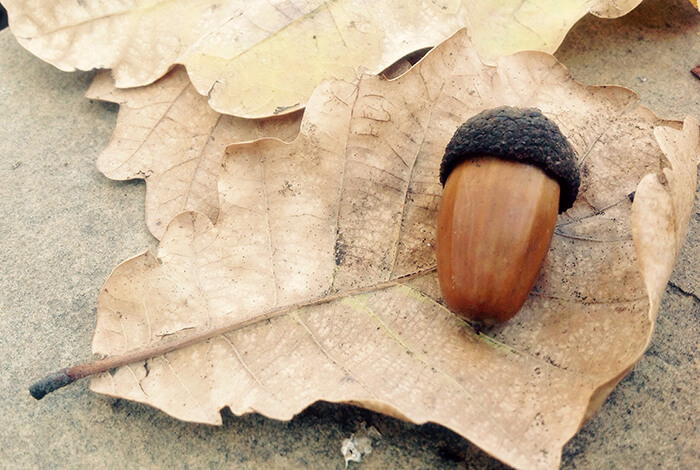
column 65, row 226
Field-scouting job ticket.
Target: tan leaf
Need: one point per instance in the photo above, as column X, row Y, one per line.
column 256, row 58
column 168, row 135
column 320, row 266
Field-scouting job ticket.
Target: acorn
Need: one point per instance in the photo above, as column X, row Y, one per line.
column 507, row 173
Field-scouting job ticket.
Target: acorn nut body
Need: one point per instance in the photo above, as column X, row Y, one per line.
column 507, row 173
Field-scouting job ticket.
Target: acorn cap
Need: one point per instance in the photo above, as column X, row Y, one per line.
column 518, row 134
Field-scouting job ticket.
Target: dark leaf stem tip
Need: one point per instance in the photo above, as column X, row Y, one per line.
column 51, row 383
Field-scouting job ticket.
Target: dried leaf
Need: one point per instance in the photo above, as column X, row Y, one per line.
column 348, row 209
column 359, row 444
column 696, row 70
column 260, row 58
column 168, row 135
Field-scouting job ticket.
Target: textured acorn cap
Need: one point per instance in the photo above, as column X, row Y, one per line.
column 518, row 134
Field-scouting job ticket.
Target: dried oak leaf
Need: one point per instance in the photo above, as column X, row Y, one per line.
column 258, row 58
column 167, row 134
column 343, row 218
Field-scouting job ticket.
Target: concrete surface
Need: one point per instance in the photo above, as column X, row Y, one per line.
column 64, row 227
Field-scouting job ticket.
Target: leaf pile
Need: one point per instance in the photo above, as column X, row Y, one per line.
column 346, row 212
column 298, row 264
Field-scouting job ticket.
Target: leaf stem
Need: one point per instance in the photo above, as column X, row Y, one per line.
column 63, row 377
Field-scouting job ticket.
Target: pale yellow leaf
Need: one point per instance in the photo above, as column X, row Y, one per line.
column 167, row 135
column 258, row 58
column 348, row 209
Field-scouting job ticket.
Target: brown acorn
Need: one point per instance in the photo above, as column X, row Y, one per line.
column 506, row 173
